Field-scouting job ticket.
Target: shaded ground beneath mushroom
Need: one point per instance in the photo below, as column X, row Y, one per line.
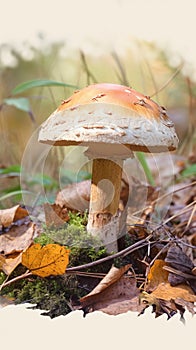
column 155, row 264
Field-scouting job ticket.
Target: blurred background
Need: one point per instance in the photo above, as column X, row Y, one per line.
column 148, row 45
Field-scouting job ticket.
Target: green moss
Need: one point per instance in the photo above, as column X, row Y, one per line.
column 83, row 246
column 51, row 294
column 43, row 239
column 2, row 277
column 54, row 293
column 77, row 219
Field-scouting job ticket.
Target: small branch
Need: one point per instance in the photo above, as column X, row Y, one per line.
column 18, row 278
column 123, row 253
column 164, row 196
column 159, row 253
column 180, row 212
column 87, row 274
column 191, row 217
column 3, row 284
column 179, row 273
column 180, row 241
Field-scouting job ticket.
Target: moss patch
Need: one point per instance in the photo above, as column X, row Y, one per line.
column 54, row 294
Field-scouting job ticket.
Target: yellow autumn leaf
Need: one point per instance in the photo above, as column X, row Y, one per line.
column 51, row 259
column 167, row 292
column 157, row 275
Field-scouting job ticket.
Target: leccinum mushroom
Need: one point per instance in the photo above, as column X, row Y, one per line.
column 112, row 120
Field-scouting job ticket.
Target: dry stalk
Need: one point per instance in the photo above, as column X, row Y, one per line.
column 123, row 78
column 169, row 80
column 89, row 74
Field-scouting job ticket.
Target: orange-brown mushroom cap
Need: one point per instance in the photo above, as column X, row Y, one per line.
column 111, row 114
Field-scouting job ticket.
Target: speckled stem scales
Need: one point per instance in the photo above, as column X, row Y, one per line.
column 104, row 216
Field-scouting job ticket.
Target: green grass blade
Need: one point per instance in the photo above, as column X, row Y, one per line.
column 16, row 169
column 142, row 159
column 189, row 171
column 21, row 103
column 39, row 83
column 14, row 193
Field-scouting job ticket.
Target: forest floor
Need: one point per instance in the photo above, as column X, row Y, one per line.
column 55, row 264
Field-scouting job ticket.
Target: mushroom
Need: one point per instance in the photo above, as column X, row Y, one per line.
column 112, row 121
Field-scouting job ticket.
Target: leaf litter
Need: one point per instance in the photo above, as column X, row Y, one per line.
column 155, row 265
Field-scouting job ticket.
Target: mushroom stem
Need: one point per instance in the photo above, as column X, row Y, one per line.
column 104, row 216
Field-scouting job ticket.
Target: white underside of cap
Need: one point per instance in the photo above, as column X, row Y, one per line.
column 104, row 123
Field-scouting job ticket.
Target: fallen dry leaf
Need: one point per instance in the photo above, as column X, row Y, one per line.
column 186, row 304
column 114, row 295
column 157, row 275
column 179, row 261
column 17, row 239
column 167, row 292
column 120, row 297
column 8, row 216
column 75, row 196
column 55, row 215
column 112, row 276
column 51, row 259
column 169, row 300
column 10, row 262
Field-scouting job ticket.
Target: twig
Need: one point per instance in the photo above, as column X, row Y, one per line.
column 180, row 212
column 164, row 196
column 18, row 278
column 87, row 274
column 159, row 253
column 4, row 282
column 191, row 217
column 180, row 241
column 123, row 252
column 179, row 273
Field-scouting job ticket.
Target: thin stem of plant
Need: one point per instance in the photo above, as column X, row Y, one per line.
column 123, row 79
column 191, row 217
column 169, row 80
column 89, row 74
column 148, row 67
column 144, row 164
